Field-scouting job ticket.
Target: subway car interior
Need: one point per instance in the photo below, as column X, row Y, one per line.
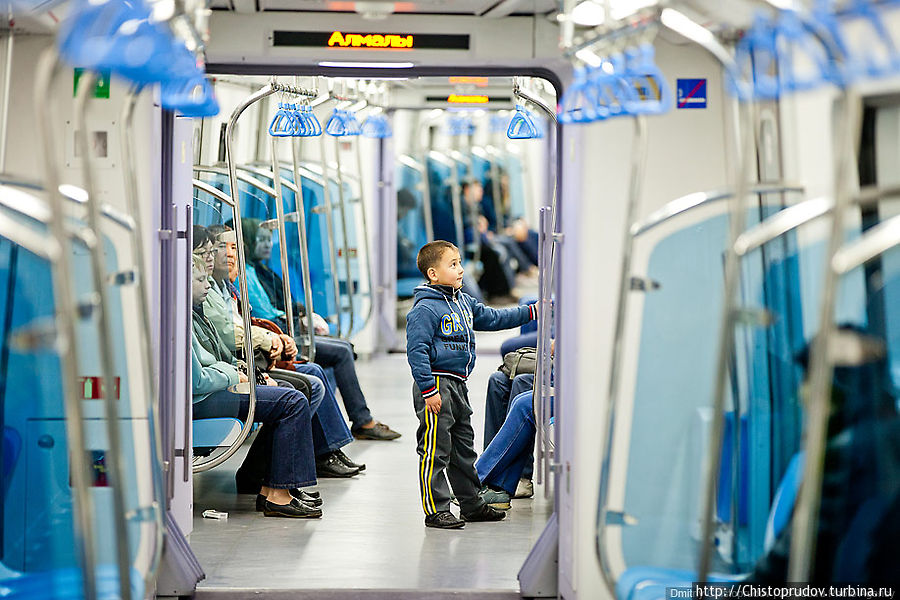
column 245, row 245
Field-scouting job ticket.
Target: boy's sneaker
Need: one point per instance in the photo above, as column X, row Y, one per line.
column 525, row 489
column 494, row 498
column 443, row 520
column 484, row 513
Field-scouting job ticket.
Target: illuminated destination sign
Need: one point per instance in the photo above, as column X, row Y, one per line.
column 470, row 99
column 370, row 41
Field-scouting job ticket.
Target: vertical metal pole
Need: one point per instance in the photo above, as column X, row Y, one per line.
column 538, row 399
column 137, row 247
column 544, row 319
column 329, row 220
column 638, row 167
column 806, row 516
column 282, row 241
column 365, row 228
column 743, row 138
column 4, row 118
column 107, row 361
column 342, row 204
column 304, row 249
column 187, row 421
column 496, row 191
column 66, row 314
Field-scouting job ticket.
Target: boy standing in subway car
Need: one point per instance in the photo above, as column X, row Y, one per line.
column 440, row 348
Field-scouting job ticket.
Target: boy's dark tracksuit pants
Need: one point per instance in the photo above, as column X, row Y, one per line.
column 446, row 443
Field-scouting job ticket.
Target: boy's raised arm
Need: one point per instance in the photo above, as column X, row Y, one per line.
column 485, row 318
column 420, row 327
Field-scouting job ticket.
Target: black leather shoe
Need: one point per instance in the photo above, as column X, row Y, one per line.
column 294, row 510
column 443, row 520
column 305, row 497
column 484, row 513
column 295, row 492
column 347, row 460
column 261, row 502
column 379, row 431
column 331, row 466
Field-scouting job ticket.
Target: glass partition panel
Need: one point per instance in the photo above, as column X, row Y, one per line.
column 660, row 438
column 44, row 539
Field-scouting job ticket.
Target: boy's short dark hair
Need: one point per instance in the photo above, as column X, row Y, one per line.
column 430, row 254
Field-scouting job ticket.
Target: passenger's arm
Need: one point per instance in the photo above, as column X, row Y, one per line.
column 485, row 318
column 212, row 378
column 421, row 324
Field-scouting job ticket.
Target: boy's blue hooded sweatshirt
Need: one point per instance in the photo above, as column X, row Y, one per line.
column 440, row 332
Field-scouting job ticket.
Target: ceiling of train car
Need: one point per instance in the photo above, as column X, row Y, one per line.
column 375, row 9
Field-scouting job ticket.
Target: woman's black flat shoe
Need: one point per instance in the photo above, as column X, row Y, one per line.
column 294, row 510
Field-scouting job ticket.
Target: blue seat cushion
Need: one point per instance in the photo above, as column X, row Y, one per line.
column 213, row 433
column 650, row 583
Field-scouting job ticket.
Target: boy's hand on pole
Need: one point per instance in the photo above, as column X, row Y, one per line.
column 434, row 404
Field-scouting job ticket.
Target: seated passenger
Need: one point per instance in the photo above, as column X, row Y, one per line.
column 497, row 408
column 330, row 352
column 285, row 437
column 330, row 433
column 502, row 464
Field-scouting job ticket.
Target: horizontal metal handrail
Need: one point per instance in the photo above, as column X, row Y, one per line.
column 681, row 205
column 875, row 241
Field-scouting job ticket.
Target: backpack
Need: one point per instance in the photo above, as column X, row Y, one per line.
column 519, row 362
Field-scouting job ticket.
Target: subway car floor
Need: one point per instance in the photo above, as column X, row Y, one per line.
column 372, row 535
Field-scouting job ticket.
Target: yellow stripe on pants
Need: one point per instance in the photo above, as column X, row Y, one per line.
column 437, row 385
column 425, row 485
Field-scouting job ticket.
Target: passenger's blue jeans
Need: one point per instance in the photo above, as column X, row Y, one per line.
column 503, row 462
column 500, row 390
column 338, row 355
column 332, row 431
column 284, row 443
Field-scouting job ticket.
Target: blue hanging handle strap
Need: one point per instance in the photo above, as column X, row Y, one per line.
column 755, row 55
column 335, row 126
column 521, row 127
column 85, row 38
column 316, row 127
column 645, row 75
column 797, row 36
column 192, row 97
column 280, row 125
column 873, row 65
column 578, row 104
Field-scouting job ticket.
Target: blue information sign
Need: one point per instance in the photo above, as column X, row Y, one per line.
column 691, row 93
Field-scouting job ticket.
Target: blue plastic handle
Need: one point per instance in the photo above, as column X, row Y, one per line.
column 313, row 120
column 522, row 127
column 192, row 97
column 644, row 74
column 871, row 65
column 336, row 125
column 85, row 38
column 578, row 104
